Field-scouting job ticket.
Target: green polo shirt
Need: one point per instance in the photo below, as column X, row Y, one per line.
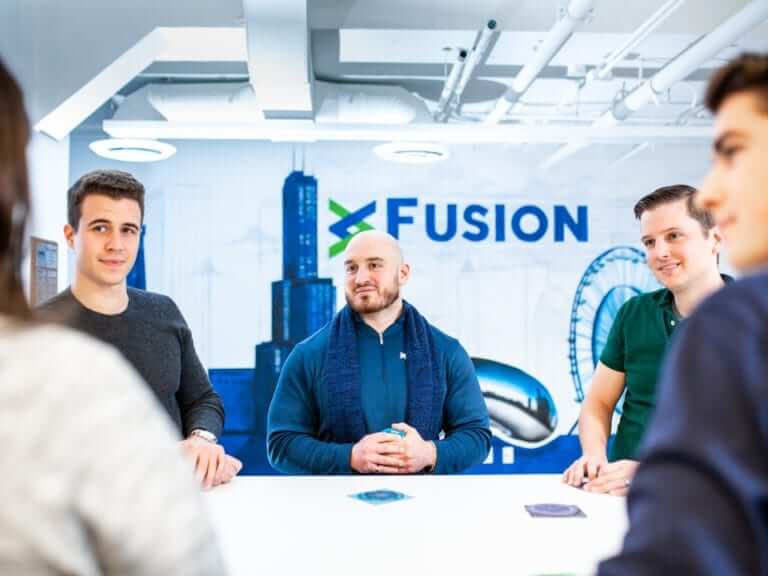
column 636, row 345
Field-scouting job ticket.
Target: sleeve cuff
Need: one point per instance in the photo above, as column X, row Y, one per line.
column 440, row 456
column 343, row 456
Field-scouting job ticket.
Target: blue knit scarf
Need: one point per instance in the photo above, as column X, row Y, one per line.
column 424, row 375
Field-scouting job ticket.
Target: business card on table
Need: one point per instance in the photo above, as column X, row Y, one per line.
column 377, row 497
column 548, row 510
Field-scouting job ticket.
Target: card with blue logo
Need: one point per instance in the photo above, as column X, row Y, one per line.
column 377, row 497
column 548, row 510
column 393, row 431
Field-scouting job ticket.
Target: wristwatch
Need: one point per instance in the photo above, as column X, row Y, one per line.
column 204, row 434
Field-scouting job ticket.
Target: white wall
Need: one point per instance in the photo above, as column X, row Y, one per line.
column 49, row 173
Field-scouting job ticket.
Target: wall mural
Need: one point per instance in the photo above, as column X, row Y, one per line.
column 525, row 417
column 611, row 279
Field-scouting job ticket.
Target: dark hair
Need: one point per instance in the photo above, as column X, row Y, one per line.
column 674, row 193
column 113, row 183
column 14, row 194
column 747, row 73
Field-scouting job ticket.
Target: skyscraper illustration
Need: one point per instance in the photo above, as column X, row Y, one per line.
column 302, row 303
column 137, row 277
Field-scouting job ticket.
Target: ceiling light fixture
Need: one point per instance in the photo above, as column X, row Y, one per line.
column 412, row 152
column 133, row 149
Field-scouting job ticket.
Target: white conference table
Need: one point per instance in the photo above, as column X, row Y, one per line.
column 273, row 525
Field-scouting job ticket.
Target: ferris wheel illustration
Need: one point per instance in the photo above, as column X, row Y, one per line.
column 611, row 279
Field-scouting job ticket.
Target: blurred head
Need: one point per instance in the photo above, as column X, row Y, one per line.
column 14, row 194
column 736, row 189
column 105, row 211
column 374, row 272
column 681, row 242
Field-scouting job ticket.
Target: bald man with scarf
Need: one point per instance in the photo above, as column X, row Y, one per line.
column 377, row 365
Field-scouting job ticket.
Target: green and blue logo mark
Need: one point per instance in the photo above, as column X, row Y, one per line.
column 350, row 223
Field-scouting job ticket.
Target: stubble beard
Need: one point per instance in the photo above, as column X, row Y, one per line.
column 382, row 299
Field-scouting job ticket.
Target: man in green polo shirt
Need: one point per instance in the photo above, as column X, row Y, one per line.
column 682, row 247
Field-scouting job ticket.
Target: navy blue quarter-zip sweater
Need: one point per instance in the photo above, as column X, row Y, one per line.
column 699, row 501
column 299, row 437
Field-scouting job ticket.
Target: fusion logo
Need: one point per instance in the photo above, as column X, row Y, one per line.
column 350, row 224
column 473, row 223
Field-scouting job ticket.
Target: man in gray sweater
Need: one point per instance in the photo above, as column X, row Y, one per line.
column 105, row 213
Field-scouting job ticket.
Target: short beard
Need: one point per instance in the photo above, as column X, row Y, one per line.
column 371, row 306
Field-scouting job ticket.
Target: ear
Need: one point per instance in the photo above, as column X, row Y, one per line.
column 69, row 235
column 717, row 236
column 404, row 274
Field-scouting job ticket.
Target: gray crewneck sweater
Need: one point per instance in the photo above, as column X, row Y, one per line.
column 153, row 336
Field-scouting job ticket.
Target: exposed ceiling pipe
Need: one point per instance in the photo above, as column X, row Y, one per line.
column 677, row 69
column 575, row 13
column 450, row 85
column 690, row 113
column 476, row 55
column 645, row 30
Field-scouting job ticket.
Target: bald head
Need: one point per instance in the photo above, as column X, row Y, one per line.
column 374, row 243
column 374, row 272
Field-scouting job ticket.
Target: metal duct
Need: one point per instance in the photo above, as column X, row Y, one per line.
column 232, row 103
column 200, row 103
column 367, row 104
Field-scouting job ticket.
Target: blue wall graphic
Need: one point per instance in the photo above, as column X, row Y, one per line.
column 523, row 415
column 611, row 279
column 137, row 277
column 520, row 408
column 302, row 303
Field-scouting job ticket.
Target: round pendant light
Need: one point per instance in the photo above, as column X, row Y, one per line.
column 133, row 150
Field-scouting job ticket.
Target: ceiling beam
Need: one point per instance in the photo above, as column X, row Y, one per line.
column 308, row 131
column 279, row 57
column 191, row 44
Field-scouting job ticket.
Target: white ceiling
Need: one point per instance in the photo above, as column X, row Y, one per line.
column 409, row 45
column 609, row 16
